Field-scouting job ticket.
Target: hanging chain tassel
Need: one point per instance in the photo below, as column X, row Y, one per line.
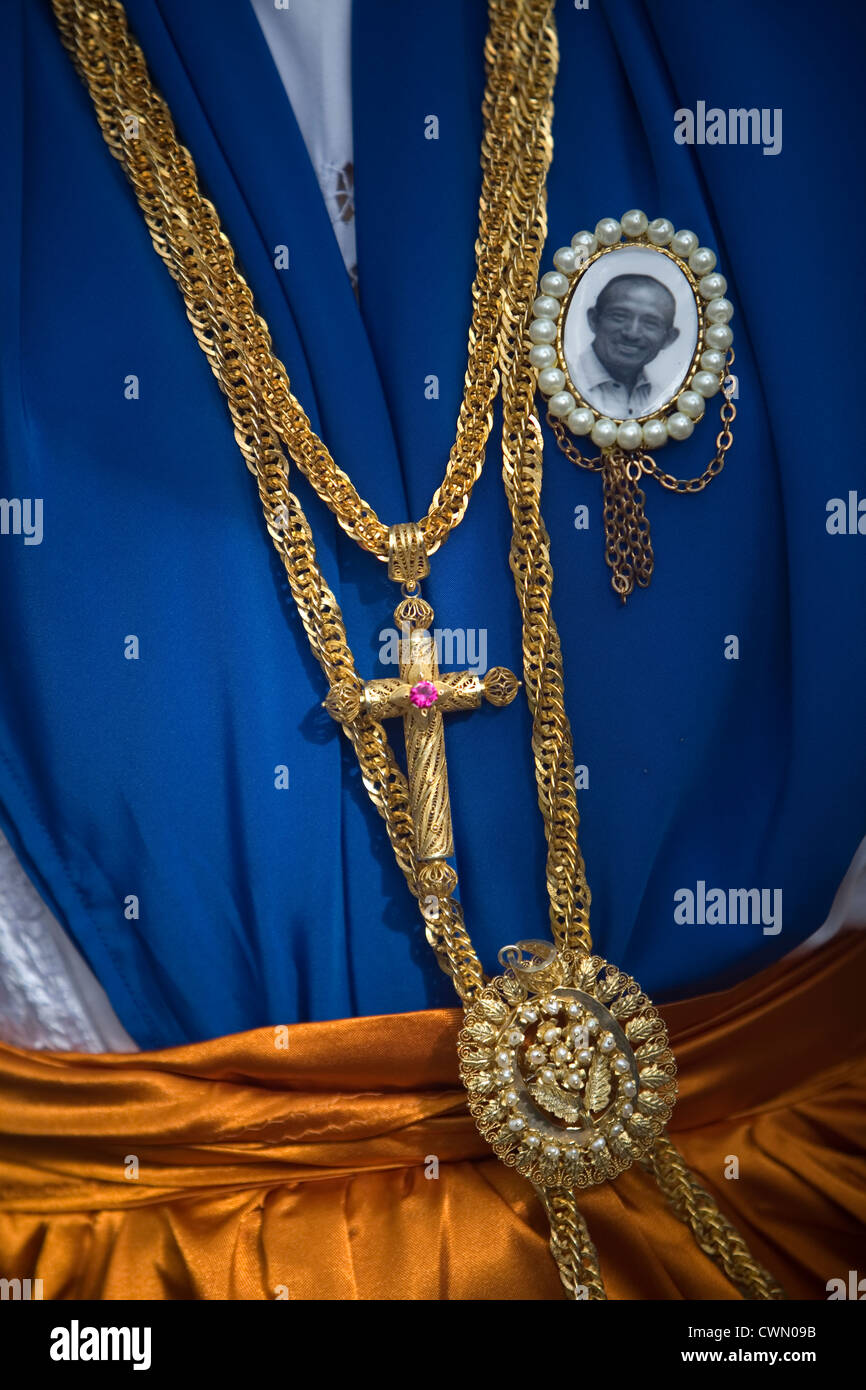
column 713, row 1232
column 628, row 550
column 571, row 1246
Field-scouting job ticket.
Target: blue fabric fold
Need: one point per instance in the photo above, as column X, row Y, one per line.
column 141, row 795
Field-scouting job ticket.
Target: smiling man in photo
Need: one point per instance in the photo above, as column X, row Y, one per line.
column 633, row 321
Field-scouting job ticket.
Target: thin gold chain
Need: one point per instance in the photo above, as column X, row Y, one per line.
column 628, row 547
column 646, row 464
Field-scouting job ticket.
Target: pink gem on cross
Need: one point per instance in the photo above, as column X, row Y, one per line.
column 424, row 694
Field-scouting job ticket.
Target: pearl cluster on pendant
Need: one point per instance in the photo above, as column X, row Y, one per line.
column 588, row 1131
column 715, row 336
column 555, row 1048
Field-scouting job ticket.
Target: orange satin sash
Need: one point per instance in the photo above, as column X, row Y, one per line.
column 303, row 1162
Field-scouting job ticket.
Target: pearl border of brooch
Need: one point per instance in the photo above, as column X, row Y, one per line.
column 707, row 371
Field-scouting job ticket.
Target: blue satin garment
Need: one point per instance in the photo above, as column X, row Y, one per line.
column 156, row 777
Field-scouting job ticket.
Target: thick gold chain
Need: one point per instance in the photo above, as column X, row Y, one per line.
column 521, row 59
column 185, row 227
column 522, row 459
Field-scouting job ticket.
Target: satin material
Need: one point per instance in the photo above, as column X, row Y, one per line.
column 300, row 1165
column 154, row 779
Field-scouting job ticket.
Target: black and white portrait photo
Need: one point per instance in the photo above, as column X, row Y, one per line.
column 630, row 332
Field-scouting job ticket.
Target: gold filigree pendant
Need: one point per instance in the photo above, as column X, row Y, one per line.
column 567, row 1066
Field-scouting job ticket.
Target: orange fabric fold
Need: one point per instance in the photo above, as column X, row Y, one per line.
column 338, row 1161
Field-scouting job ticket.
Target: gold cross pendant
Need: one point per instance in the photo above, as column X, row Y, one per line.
column 421, row 695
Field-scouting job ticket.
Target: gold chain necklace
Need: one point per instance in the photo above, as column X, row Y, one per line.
column 553, row 998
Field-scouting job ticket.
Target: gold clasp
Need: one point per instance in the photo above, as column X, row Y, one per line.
column 407, row 554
